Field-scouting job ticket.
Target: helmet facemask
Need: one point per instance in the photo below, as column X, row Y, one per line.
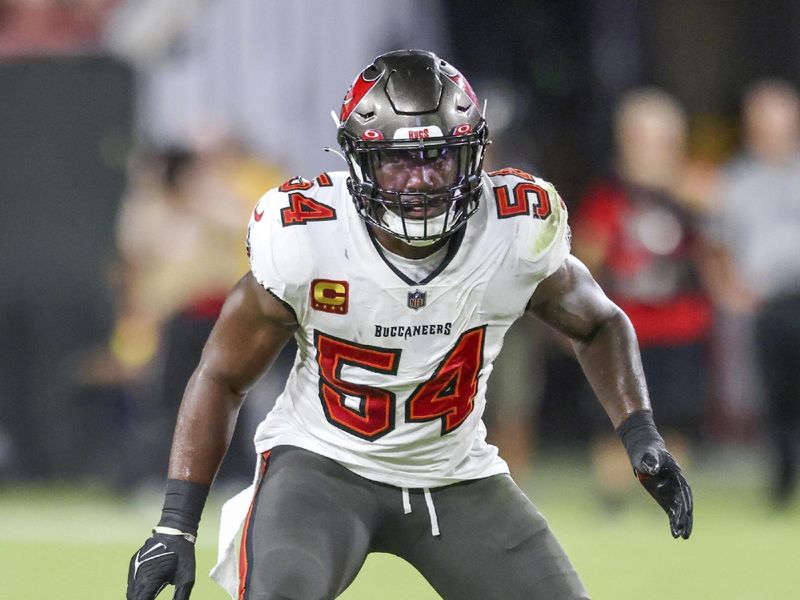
column 418, row 191
column 413, row 137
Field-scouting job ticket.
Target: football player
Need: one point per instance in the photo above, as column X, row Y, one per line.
column 397, row 279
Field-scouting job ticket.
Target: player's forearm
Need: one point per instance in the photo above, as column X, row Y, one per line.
column 205, row 425
column 612, row 363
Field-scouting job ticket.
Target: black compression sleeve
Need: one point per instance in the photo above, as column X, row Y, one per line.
column 183, row 505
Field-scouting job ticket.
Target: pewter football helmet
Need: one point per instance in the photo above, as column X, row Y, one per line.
column 411, row 105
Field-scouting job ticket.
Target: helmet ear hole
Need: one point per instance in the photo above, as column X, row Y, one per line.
column 372, row 72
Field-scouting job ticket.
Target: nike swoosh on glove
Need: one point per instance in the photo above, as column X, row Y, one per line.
column 162, row 560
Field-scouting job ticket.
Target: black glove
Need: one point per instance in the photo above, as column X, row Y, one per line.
column 168, row 556
column 163, row 559
column 657, row 471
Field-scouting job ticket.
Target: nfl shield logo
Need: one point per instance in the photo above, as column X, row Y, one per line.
column 416, row 299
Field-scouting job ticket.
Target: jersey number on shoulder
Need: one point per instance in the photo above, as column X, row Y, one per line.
column 368, row 412
column 301, row 208
column 516, row 202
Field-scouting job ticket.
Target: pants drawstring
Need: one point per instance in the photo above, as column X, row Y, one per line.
column 431, row 512
column 428, row 502
column 406, row 502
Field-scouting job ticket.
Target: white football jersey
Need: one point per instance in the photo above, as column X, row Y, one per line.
column 390, row 374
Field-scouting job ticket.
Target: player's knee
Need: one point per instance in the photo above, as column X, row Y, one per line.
column 290, row 574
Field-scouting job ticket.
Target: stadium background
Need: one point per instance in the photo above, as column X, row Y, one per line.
column 106, row 106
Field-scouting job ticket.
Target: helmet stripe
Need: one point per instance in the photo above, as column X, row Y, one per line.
column 462, row 82
column 357, row 91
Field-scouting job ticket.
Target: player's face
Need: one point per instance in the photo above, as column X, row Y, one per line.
column 417, row 171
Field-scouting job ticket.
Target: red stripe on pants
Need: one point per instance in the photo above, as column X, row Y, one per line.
column 243, row 566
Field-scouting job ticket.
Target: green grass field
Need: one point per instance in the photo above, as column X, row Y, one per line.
column 75, row 544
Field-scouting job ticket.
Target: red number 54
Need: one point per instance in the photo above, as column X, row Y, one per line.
column 369, row 412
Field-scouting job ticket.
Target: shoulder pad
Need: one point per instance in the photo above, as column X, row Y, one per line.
column 512, row 172
column 553, row 227
column 281, row 257
column 542, row 230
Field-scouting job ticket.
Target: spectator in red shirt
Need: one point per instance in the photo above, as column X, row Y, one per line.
column 638, row 236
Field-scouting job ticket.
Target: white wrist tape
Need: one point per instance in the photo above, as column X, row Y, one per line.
column 172, row 531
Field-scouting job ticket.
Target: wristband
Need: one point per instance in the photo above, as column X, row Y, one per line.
column 170, row 531
column 183, row 505
column 638, row 432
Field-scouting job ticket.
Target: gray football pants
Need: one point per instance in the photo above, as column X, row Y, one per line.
column 313, row 522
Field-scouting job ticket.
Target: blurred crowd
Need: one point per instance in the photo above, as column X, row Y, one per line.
column 702, row 252
column 47, row 27
column 705, row 260
column 180, row 248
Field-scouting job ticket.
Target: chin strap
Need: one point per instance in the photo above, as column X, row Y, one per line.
column 420, row 243
column 414, row 229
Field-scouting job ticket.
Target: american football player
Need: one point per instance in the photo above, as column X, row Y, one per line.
column 397, row 279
